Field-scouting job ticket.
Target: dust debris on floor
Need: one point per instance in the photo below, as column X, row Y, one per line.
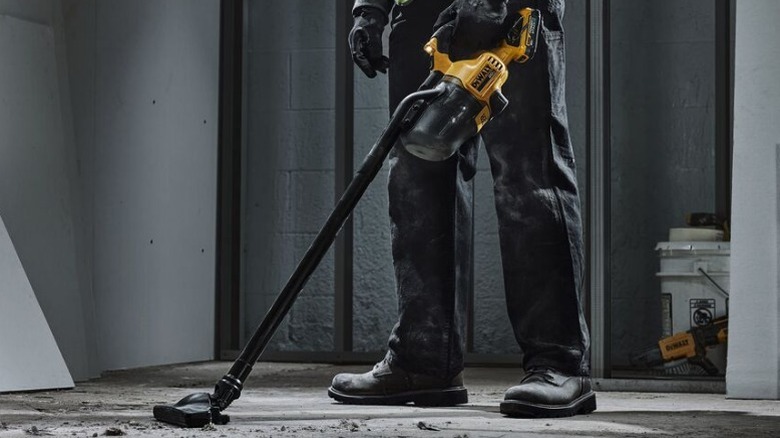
column 425, row 426
column 290, row 400
column 33, row 430
column 349, row 425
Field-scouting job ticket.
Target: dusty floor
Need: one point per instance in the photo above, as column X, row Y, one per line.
column 289, row 400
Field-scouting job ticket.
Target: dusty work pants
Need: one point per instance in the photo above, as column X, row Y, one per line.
column 536, row 201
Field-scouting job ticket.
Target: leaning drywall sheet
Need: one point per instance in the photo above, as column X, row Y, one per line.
column 37, row 181
column 29, row 357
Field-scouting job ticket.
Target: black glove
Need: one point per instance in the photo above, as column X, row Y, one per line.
column 473, row 26
column 365, row 40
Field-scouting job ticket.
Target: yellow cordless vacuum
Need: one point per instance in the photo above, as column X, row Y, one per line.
column 453, row 105
column 470, row 89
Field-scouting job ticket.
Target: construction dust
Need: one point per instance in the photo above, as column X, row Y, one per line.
column 290, row 400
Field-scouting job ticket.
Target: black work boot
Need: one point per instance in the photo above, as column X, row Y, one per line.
column 546, row 393
column 390, row 385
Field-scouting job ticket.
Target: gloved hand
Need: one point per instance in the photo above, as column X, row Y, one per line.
column 365, row 40
column 473, row 26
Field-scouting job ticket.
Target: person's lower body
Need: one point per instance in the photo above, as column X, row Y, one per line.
column 431, row 232
column 540, row 230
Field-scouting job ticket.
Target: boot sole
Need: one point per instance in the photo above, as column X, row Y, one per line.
column 432, row 397
column 585, row 404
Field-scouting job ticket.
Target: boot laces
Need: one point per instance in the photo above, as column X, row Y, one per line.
column 538, row 373
column 381, row 363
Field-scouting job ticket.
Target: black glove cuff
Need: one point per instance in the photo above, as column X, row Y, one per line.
column 371, row 16
column 383, row 5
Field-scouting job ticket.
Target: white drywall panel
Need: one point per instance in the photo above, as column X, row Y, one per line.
column 155, row 161
column 29, row 357
column 72, row 61
column 35, row 180
column 753, row 351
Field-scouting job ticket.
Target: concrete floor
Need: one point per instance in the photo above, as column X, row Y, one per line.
column 289, row 400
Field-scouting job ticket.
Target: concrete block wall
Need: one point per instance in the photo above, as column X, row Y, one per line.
column 289, row 159
column 663, row 125
column 374, row 281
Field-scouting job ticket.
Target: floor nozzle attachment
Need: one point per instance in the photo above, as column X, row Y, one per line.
column 195, row 410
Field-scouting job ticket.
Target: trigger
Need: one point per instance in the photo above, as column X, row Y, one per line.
column 498, row 103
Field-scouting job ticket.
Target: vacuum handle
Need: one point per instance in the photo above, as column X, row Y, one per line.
column 402, row 119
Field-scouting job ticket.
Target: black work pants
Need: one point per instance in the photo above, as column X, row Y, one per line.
column 536, row 201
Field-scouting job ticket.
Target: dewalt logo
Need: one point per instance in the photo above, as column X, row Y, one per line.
column 483, row 77
column 676, row 345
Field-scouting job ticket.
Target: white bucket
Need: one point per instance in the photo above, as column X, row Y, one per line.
column 694, row 288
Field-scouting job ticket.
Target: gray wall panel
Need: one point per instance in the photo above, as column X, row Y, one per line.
column 111, row 171
column 155, row 124
column 34, row 11
column 77, row 43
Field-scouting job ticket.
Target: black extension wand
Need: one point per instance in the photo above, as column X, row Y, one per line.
column 199, row 409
